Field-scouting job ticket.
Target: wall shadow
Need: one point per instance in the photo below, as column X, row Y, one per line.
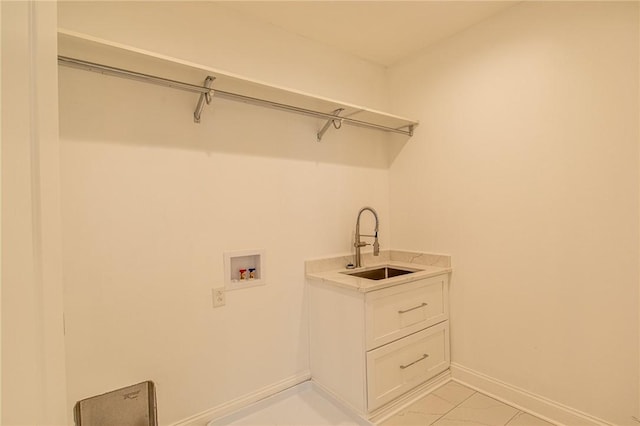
column 98, row 108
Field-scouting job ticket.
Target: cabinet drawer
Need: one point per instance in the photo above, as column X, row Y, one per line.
column 398, row 311
column 400, row 366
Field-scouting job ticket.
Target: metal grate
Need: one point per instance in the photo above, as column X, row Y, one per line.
column 130, row 406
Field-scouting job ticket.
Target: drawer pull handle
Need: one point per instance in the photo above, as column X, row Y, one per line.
column 414, row 308
column 424, row 356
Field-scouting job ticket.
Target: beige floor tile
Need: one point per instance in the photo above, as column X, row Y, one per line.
column 524, row 419
column 410, row 419
column 478, row 410
column 454, row 392
column 423, row 412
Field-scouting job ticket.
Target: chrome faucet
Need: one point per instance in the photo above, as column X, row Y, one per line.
column 359, row 244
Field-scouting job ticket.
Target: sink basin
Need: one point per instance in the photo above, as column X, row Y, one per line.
column 381, row 273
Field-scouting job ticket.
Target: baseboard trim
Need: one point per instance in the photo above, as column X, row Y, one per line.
column 524, row 400
column 201, row 419
column 539, row 406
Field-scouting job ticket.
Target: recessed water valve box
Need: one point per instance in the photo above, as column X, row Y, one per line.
column 244, row 268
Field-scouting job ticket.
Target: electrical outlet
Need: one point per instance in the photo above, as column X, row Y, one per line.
column 219, row 298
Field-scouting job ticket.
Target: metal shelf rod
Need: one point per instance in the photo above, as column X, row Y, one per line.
column 147, row 78
column 131, row 75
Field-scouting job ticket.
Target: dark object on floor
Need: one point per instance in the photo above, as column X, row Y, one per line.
column 131, row 406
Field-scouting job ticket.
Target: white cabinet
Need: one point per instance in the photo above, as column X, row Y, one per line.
column 369, row 348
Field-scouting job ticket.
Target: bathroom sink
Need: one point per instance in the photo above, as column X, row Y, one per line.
column 381, row 273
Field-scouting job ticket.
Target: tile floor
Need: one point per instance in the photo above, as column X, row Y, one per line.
column 450, row 405
column 456, row 405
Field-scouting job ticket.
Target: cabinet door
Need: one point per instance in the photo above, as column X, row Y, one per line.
column 398, row 367
column 395, row 312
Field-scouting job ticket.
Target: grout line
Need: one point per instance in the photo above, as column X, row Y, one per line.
column 454, row 407
column 464, row 400
column 517, row 414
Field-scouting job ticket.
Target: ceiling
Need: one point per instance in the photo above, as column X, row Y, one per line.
column 382, row 32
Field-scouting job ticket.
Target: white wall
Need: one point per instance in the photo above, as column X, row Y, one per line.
column 151, row 201
column 33, row 374
column 525, row 170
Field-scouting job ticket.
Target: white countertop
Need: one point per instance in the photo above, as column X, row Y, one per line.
column 331, row 271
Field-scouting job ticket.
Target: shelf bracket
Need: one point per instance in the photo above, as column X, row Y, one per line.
column 204, row 97
column 329, row 122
